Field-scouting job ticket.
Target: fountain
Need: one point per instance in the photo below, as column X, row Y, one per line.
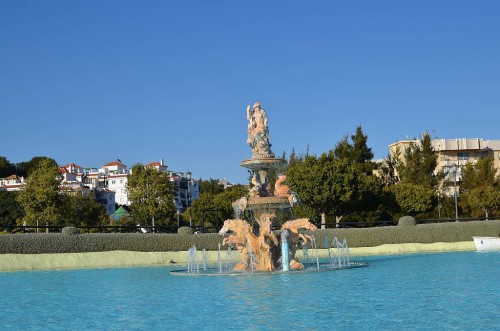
column 262, row 217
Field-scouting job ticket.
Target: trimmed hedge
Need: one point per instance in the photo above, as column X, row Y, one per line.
column 407, row 221
column 32, row 243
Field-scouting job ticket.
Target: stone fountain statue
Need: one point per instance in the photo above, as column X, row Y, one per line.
column 258, row 132
column 256, row 239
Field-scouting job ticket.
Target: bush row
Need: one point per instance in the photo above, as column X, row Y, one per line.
column 71, row 242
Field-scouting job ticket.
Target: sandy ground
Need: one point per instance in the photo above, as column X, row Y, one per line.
column 16, row 262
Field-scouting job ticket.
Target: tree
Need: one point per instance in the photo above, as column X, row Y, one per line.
column 151, row 195
column 211, row 186
column 480, row 188
column 483, row 173
column 208, row 205
column 420, row 163
column 388, row 171
column 326, row 184
column 224, row 200
column 83, row 210
column 6, row 168
column 357, row 151
column 40, row 197
column 485, row 198
column 414, row 198
column 200, row 206
column 10, row 209
column 26, row 168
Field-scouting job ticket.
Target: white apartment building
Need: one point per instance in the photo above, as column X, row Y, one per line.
column 11, row 183
column 109, row 183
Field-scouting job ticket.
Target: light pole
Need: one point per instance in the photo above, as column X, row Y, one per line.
column 456, row 195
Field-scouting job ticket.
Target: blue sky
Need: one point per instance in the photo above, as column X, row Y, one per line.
column 92, row 81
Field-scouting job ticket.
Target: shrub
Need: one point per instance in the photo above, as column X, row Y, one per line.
column 70, row 231
column 33, row 243
column 185, row 230
column 407, row 221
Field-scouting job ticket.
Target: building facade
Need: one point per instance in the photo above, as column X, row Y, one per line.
column 453, row 154
column 109, row 184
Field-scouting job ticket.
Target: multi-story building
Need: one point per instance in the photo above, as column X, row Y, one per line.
column 11, row 183
column 109, row 183
column 453, row 154
column 115, row 177
column 186, row 189
column 75, row 181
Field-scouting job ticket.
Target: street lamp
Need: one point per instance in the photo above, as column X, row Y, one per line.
column 456, row 194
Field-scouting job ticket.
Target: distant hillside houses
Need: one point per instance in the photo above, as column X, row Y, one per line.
column 109, row 183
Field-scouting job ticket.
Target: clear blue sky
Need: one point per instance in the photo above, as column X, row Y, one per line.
column 92, row 81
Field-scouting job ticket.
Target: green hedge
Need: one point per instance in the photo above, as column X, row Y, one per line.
column 366, row 237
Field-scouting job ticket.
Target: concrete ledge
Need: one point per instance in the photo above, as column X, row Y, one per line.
column 18, row 262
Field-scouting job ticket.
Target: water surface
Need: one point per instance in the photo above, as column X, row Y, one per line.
column 444, row 291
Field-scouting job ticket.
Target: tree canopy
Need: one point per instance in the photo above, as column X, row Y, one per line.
column 480, row 188
column 356, row 151
column 481, row 174
column 215, row 205
column 326, row 184
column 6, row 168
column 10, row 209
column 419, row 165
column 82, row 210
column 40, row 197
column 151, row 195
column 211, row 186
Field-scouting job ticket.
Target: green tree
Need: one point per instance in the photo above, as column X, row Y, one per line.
column 40, row 197
column 10, row 209
column 414, row 198
column 327, row 184
column 479, row 187
column 6, row 168
column 357, row 151
column 224, row 200
column 388, row 172
column 210, row 206
column 83, row 210
column 484, row 198
column 211, row 186
column 420, row 161
column 483, row 173
column 151, row 195
column 200, row 206
column 26, row 168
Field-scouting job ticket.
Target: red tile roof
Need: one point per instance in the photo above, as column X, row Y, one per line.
column 74, row 165
column 114, row 163
column 153, row 164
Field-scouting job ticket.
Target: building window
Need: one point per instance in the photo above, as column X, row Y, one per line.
column 121, row 181
column 113, row 182
column 463, row 156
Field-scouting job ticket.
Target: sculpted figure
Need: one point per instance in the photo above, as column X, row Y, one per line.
column 248, row 243
column 258, row 132
column 283, row 190
column 280, row 189
column 297, row 238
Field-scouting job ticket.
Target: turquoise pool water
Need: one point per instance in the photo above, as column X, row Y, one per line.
column 447, row 291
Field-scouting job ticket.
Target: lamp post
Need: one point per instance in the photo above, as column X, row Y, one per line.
column 456, row 195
